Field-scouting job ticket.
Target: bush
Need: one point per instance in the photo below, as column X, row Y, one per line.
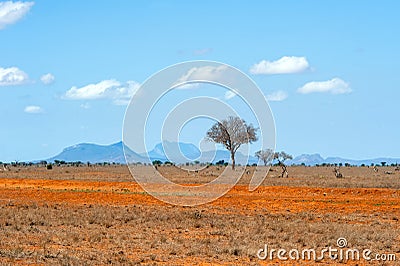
column 49, row 167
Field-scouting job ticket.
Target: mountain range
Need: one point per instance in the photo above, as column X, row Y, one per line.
column 87, row 152
column 314, row 159
column 177, row 153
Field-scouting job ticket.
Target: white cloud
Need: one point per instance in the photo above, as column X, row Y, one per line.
column 92, row 91
column 284, row 65
column 106, row 89
column 12, row 76
column 85, row 105
column 188, row 86
column 47, row 78
column 277, row 96
column 205, row 73
column 202, row 51
column 33, row 109
column 229, row 94
column 11, row 12
column 334, row 86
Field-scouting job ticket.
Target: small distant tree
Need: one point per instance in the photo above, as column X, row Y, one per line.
column 157, row 162
column 265, row 155
column 383, row 163
column 220, row 162
column 281, row 157
column 232, row 133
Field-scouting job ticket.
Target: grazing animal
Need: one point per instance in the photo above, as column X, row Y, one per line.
column 337, row 172
column 376, row 169
column 397, row 168
column 389, row 173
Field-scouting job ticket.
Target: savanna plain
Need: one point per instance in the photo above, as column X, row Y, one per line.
column 99, row 215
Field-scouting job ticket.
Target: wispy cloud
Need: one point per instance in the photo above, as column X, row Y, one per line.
column 277, row 96
column 12, row 76
column 85, row 106
column 112, row 89
column 47, row 79
column 33, row 109
column 204, row 73
column 230, row 94
column 11, row 12
column 284, row 65
column 188, row 86
column 202, row 51
column 333, row 86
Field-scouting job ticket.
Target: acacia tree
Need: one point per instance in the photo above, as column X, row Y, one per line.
column 265, row 155
column 281, row 157
column 232, row 133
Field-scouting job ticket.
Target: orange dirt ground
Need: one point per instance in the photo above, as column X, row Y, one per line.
column 358, row 208
column 273, row 199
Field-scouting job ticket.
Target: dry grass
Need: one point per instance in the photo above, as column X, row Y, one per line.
column 98, row 234
column 40, row 231
column 299, row 176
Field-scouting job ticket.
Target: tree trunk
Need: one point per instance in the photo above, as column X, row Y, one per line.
column 233, row 160
column 284, row 169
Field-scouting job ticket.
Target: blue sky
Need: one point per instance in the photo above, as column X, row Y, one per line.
column 330, row 68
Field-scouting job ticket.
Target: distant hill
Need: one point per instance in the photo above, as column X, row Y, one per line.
column 177, row 152
column 314, row 159
column 190, row 153
column 87, row 152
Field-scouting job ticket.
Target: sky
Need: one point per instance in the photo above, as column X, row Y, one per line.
column 328, row 68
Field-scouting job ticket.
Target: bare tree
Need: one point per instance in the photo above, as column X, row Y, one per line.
column 265, row 155
column 281, row 157
column 232, row 133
